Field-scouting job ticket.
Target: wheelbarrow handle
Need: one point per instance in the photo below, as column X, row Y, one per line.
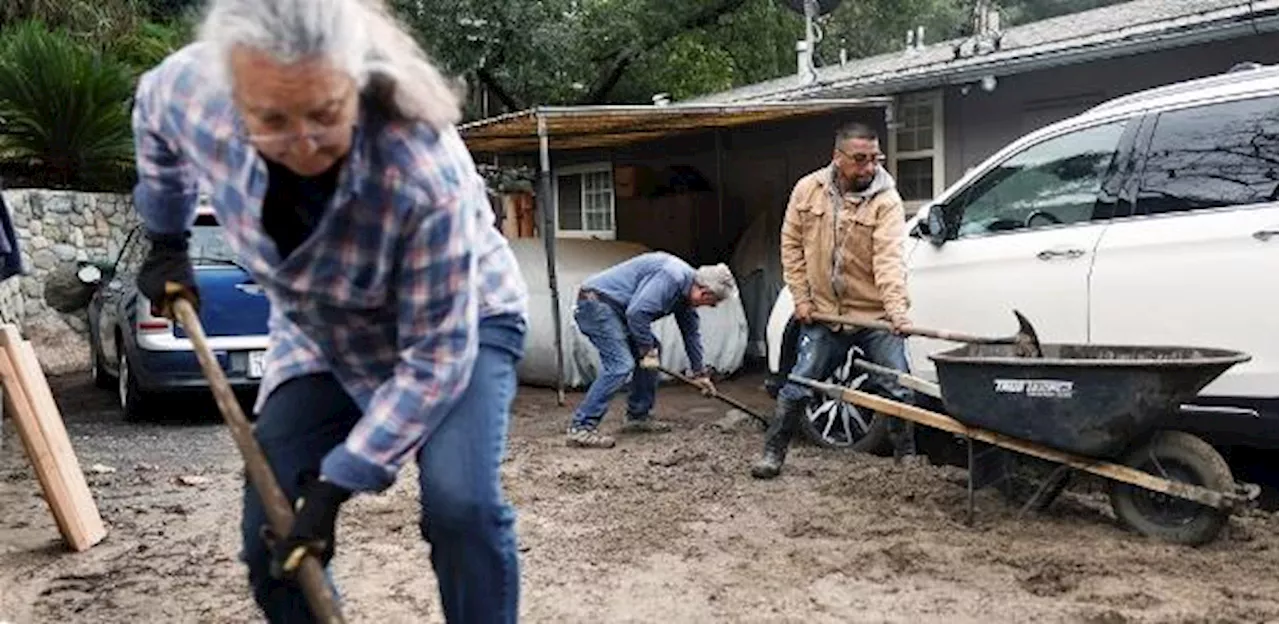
column 832, row 391
column 919, row 384
column 279, row 513
column 940, row 334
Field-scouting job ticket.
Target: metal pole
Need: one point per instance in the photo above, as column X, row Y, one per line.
column 720, row 242
column 547, row 200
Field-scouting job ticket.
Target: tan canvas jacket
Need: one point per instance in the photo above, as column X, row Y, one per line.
column 847, row 261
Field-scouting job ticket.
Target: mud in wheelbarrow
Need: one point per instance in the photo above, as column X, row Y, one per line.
column 1096, row 409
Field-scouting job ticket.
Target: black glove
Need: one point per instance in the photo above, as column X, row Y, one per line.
column 316, row 513
column 167, row 262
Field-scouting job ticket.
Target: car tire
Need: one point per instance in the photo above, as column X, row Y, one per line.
column 828, row 423
column 833, row 424
column 101, row 378
column 132, row 402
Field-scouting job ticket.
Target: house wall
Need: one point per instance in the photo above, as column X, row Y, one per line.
column 979, row 124
column 756, row 169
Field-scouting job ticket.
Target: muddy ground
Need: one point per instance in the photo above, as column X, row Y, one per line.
column 660, row 529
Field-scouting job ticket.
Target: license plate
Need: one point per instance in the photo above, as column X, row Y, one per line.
column 257, row 363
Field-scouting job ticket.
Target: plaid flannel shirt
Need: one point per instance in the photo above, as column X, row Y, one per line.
column 386, row 293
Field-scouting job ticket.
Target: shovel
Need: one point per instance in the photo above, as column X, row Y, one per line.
column 310, row 574
column 1025, row 342
column 716, row 395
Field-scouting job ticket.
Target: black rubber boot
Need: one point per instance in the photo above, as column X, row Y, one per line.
column 785, row 422
column 902, row 435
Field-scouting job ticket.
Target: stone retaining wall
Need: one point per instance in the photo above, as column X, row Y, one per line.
column 55, row 229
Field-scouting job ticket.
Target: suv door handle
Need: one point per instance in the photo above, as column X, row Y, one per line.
column 1266, row 235
column 1050, row 254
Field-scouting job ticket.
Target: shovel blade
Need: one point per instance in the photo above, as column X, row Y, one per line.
column 1026, row 341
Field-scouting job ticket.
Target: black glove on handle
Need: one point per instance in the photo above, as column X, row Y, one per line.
column 167, row 262
column 313, row 527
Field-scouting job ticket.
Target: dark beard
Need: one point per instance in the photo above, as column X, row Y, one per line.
column 859, row 186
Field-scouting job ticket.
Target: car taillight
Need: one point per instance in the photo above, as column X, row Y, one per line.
column 154, row 326
column 149, row 324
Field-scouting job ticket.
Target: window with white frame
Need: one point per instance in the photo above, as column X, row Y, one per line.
column 915, row 148
column 584, row 201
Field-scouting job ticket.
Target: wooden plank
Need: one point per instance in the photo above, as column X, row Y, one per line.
column 45, row 436
column 92, row 528
column 25, row 421
column 1101, row 468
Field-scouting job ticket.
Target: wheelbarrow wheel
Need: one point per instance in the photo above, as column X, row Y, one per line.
column 1176, row 456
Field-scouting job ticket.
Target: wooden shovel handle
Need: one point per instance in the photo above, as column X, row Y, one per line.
column 279, row 513
column 940, row 334
column 727, row 400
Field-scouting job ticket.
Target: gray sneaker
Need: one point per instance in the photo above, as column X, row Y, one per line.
column 583, row 437
column 644, row 425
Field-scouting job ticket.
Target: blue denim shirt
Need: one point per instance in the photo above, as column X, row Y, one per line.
column 649, row 287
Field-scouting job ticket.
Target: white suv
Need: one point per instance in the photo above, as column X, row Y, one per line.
column 1150, row 219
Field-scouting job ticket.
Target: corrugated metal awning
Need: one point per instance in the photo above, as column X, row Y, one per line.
column 579, row 127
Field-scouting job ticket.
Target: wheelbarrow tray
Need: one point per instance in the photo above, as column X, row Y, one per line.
column 1089, row 400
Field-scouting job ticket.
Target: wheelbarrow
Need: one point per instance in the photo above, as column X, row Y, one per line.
column 1091, row 408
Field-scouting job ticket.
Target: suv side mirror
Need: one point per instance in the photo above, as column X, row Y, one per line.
column 921, row 229
column 937, row 226
column 932, row 226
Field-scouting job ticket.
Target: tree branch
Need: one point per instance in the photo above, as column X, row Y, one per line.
column 490, row 82
column 617, row 63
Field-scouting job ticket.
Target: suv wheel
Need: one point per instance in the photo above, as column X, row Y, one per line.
column 101, row 378
column 835, row 424
column 131, row 398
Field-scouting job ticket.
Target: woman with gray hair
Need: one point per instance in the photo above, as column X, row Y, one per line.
column 398, row 314
column 614, row 311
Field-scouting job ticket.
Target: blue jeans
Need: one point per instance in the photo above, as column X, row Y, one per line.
column 820, row 351
column 464, row 513
column 603, row 326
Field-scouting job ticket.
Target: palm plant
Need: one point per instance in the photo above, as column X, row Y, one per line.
column 64, row 110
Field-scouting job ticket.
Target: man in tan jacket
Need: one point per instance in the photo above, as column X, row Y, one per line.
column 842, row 246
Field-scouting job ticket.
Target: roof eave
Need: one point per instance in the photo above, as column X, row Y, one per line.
column 972, row 68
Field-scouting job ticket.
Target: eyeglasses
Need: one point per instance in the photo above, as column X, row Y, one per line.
column 282, row 140
column 863, row 159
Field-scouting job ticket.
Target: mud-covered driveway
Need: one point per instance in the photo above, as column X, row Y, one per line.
column 660, row 529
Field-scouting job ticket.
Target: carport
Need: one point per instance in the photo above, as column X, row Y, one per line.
column 547, row 129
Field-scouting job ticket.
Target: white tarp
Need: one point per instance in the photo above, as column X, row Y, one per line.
column 757, row 264
column 724, row 327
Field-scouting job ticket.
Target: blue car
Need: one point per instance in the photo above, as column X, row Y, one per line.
column 141, row 356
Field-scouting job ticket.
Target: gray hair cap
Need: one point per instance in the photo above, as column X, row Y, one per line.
column 718, row 279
